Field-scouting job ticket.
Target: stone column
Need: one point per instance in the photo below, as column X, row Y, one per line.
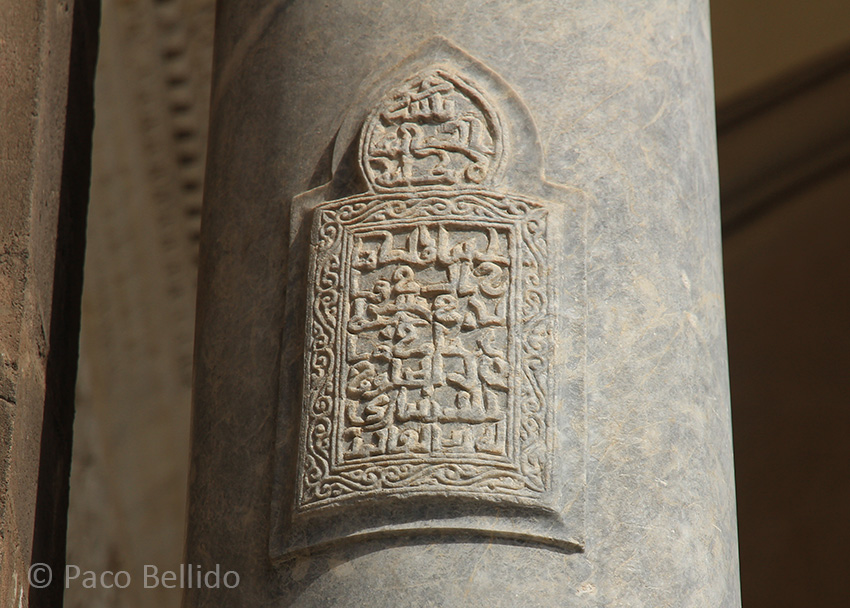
column 460, row 334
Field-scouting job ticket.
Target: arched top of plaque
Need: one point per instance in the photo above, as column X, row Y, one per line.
column 435, row 129
column 438, row 120
column 437, row 275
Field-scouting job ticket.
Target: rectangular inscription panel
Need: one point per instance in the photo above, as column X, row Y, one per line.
column 440, row 282
column 429, row 345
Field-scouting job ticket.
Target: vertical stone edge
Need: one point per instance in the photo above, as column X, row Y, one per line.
column 50, row 52
column 51, row 516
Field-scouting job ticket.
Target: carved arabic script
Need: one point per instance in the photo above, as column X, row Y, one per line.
column 429, row 327
column 429, row 344
column 436, row 129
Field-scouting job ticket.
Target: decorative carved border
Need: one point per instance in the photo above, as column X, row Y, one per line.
column 523, row 477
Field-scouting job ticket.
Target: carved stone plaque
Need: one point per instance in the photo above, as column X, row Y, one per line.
column 430, row 398
column 429, row 349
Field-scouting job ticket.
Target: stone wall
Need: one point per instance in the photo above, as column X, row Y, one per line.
column 45, row 151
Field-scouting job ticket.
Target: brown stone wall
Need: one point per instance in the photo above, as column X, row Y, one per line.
column 44, row 170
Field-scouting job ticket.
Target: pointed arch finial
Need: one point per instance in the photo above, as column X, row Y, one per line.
column 435, row 129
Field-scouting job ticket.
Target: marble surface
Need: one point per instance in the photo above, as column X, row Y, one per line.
column 621, row 95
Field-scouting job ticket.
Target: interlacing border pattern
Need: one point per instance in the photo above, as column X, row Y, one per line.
column 322, row 480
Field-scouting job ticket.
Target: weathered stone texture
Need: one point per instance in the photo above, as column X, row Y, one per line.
column 621, row 95
column 42, row 216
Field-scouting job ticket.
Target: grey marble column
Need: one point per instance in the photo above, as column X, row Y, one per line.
column 460, row 334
